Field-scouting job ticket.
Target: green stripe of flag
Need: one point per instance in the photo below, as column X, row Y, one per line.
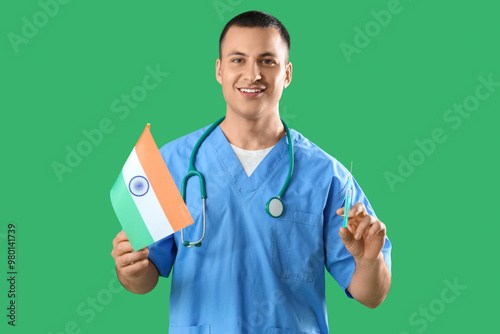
column 128, row 215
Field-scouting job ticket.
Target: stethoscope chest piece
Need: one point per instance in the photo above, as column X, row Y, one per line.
column 274, row 207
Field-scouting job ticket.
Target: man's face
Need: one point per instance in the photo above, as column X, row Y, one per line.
column 253, row 58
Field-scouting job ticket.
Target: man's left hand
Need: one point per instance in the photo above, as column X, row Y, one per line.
column 364, row 236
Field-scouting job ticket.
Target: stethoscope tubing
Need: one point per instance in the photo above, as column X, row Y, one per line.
column 192, row 172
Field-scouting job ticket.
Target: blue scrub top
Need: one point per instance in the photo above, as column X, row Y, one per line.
column 254, row 273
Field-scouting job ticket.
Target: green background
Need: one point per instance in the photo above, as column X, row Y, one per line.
column 371, row 109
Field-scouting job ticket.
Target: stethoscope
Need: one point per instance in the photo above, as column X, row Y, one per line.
column 274, row 207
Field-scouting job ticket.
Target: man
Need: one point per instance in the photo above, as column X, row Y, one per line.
column 255, row 273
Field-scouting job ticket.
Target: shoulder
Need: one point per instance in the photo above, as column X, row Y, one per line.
column 177, row 152
column 181, row 146
column 328, row 167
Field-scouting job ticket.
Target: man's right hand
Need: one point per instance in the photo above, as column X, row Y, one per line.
column 129, row 263
column 134, row 269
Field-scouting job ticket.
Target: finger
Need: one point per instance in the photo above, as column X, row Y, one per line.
column 121, row 236
column 377, row 229
column 346, row 235
column 351, row 227
column 123, row 248
column 131, row 258
column 134, row 269
column 363, row 225
column 356, row 214
column 340, row 211
column 357, row 209
column 118, row 250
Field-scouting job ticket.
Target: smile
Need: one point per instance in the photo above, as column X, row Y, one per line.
column 251, row 92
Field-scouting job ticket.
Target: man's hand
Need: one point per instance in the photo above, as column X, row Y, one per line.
column 134, row 269
column 128, row 262
column 364, row 236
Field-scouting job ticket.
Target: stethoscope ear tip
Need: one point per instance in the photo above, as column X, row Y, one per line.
column 188, row 244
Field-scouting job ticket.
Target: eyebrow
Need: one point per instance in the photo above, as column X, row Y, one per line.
column 265, row 54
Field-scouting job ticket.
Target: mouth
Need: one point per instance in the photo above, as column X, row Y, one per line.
column 251, row 92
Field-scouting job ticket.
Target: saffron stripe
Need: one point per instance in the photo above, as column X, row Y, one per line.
column 162, row 182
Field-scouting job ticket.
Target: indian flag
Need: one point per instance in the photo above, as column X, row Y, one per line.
column 145, row 197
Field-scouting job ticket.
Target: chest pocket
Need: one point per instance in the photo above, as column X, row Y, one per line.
column 297, row 242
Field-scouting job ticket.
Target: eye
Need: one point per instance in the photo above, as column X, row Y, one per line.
column 236, row 60
column 269, row 61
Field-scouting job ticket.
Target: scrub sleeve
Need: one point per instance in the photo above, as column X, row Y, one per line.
column 162, row 254
column 338, row 261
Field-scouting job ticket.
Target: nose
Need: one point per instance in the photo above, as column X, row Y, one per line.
column 252, row 72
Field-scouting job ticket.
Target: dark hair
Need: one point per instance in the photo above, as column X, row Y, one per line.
column 252, row 19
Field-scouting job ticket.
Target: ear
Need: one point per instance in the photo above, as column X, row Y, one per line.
column 218, row 75
column 288, row 75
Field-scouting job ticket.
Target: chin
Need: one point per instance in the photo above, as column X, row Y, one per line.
column 251, row 114
column 246, row 112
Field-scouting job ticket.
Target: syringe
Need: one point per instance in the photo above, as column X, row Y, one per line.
column 348, row 198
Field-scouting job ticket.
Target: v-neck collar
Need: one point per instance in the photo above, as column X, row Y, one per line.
column 249, row 185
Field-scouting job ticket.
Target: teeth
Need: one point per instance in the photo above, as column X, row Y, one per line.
column 251, row 90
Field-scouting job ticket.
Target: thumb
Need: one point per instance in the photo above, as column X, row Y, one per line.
column 345, row 235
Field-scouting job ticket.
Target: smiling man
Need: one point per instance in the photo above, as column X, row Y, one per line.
column 253, row 75
column 273, row 210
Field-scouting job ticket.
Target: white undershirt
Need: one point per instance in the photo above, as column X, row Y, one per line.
column 250, row 159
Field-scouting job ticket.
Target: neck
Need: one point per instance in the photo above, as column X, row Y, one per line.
column 252, row 133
